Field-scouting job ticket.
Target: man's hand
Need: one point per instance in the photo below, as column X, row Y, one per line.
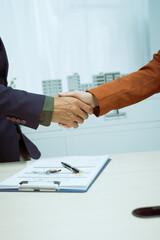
column 70, row 111
column 85, row 97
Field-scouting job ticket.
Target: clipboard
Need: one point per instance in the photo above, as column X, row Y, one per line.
column 34, row 178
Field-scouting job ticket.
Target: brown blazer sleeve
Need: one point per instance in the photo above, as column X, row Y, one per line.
column 129, row 89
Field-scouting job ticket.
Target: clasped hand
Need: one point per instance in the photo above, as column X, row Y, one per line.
column 72, row 108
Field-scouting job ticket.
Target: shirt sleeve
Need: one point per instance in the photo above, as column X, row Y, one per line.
column 47, row 111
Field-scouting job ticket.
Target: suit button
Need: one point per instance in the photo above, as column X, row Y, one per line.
column 23, row 122
column 18, row 121
column 8, row 118
column 13, row 119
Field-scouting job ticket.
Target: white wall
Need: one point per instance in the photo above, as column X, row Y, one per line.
column 138, row 131
column 34, row 33
column 154, row 25
column 51, row 39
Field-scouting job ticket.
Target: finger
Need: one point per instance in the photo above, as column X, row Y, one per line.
column 82, row 114
column 76, row 118
column 74, row 109
column 85, row 97
column 75, row 125
column 67, row 94
column 70, row 122
column 63, row 125
column 86, row 108
column 79, row 119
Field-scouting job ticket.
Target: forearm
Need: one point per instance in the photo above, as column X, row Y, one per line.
column 129, row 89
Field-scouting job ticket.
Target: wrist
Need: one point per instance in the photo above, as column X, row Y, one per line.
column 94, row 100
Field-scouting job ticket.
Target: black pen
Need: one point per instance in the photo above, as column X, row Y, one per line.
column 69, row 167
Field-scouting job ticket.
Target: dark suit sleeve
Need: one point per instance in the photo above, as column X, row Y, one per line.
column 20, row 106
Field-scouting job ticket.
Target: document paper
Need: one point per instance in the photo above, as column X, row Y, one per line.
column 35, row 177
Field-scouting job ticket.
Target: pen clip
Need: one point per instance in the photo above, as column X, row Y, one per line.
column 23, row 182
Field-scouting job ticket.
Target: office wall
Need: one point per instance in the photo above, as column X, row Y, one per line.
column 34, row 32
column 154, row 22
column 53, row 39
column 137, row 130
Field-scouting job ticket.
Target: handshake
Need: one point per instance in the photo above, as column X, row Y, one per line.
column 72, row 108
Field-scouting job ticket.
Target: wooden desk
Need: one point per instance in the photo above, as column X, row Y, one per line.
column 104, row 212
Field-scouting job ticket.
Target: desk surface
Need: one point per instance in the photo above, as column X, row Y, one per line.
column 104, row 212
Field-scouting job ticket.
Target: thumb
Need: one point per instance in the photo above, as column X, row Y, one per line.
column 67, row 94
column 85, row 97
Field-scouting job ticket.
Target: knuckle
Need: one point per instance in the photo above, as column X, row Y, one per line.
column 73, row 109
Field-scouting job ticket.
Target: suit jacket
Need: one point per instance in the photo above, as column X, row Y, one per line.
column 129, row 89
column 16, row 107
